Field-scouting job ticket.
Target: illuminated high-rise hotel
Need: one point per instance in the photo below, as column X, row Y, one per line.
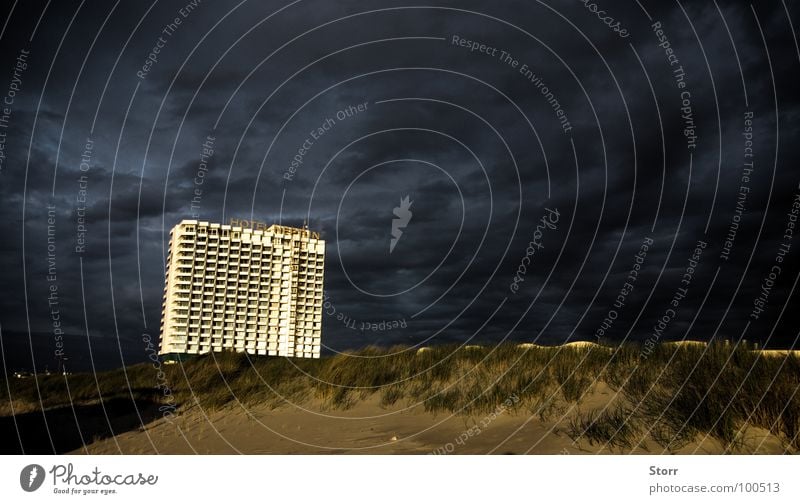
column 246, row 287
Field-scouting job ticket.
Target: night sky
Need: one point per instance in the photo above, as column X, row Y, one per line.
column 608, row 171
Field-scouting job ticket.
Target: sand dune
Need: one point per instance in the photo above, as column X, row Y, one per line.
column 521, row 398
column 370, row 428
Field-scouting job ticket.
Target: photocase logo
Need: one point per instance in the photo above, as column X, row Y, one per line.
column 403, row 216
column 31, row 477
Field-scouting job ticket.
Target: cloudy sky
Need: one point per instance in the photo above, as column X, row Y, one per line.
column 643, row 133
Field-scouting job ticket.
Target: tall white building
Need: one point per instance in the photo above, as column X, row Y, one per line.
column 246, row 287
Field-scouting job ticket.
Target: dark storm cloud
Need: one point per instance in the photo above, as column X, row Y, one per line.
column 219, row 75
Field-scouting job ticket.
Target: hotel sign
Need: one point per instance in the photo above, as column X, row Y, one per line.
column 263, row 226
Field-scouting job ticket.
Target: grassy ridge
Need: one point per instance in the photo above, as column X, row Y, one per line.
column 673, row 393
column 679, row 393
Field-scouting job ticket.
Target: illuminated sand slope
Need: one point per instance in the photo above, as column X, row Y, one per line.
column 369, row 427
column 575, row 398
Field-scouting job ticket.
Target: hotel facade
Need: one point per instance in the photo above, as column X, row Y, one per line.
column 243, row 286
